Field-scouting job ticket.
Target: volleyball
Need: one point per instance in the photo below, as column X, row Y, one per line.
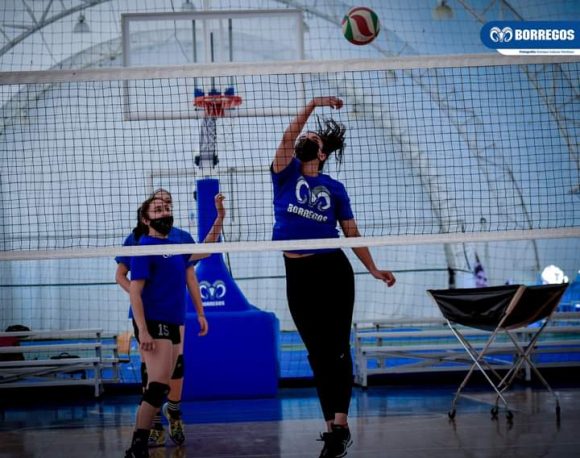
column 360, row 25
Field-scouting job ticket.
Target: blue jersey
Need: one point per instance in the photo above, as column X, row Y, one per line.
column 176, row 235
column 307, row 207
column 165, row 282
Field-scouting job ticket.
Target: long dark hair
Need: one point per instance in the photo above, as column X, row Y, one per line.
column 140, row 229
column 332, row 135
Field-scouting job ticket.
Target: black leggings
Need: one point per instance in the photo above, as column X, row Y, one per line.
column 320, row 291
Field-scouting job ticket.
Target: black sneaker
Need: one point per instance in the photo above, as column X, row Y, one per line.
column 138, row 447
column 327, row 438
column 136, row 453
column 341, row 440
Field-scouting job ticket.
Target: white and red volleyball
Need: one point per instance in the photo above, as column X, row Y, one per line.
column 360, row 25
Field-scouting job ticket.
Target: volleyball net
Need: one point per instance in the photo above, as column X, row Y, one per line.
column 446, row 159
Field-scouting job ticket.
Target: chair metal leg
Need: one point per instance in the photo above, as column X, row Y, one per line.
column 478, row 362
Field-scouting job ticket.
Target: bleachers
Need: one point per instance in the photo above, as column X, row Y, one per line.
column 428, row 345
column 31, row 359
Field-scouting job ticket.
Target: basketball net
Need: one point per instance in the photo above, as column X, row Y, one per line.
column 215, row 105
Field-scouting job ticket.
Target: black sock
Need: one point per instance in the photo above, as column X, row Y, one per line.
column 140, row 438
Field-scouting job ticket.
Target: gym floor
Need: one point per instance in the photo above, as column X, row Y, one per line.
column 401, row 419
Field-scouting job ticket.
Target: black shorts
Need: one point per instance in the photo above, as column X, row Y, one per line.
column 160, row 330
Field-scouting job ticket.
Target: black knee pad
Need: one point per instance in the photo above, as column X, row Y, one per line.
column 144, row 376
column 179, row 369
column 155, row 394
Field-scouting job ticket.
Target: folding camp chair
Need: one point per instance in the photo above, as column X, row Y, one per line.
column 500, row 310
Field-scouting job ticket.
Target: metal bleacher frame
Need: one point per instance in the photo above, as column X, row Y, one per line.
column 58, row 358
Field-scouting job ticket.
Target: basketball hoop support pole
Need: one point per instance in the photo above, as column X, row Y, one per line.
column 207, row 158
column 212, row 271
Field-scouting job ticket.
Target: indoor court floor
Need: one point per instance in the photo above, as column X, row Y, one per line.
column 386, row 421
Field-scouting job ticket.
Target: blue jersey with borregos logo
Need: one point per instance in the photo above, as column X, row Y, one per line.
column 307, row 207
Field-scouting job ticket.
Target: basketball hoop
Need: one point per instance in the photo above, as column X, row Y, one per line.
column 216, row 104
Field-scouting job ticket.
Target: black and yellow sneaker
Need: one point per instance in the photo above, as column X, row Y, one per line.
column 176, row 432
column 156, row 437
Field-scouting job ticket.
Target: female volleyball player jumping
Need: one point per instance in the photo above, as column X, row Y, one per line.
column 320, row 283
column 157, row 302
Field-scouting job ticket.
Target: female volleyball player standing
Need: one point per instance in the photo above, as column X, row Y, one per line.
column 320, row 283
column 171, row 408
column 157, row 302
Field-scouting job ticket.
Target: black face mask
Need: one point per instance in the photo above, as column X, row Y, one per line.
column 162, row 225
column 306, row 150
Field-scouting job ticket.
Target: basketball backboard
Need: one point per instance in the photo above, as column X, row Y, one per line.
column 205, row 38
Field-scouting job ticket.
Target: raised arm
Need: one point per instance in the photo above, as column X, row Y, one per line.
column 285, row 150
column 215, row 231
column 350, row 229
